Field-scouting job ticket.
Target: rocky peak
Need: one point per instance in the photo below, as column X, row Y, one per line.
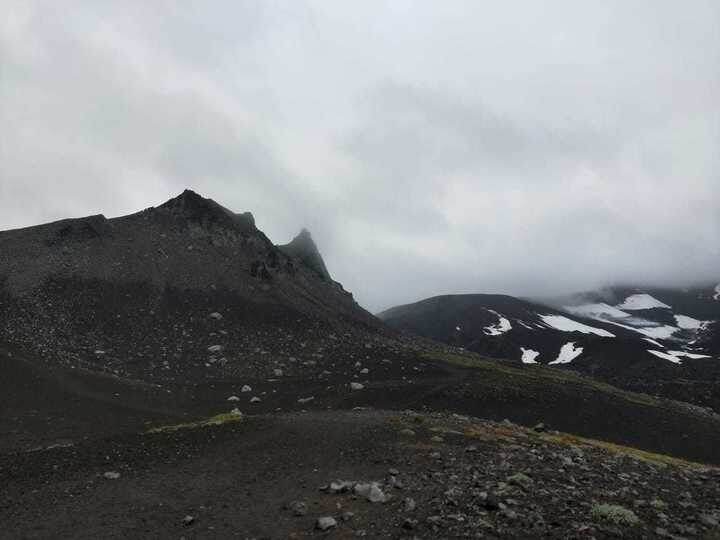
column 192, row 206
column 304, row 248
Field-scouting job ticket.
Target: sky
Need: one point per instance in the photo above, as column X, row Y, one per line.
column 521, row 147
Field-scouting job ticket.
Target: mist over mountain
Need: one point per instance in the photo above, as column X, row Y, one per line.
column 574, row 148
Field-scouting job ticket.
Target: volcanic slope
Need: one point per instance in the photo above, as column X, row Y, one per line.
column 187, row 310
column 657, row 340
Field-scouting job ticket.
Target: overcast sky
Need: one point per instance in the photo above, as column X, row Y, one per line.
column 531, row 147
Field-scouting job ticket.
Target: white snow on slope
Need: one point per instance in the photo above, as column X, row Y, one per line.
column 641, row 301
column 655, row 332
column 529, row 356
column 688, row 323
column 596, row 311
column 526, row 325
column 656, row 343
column 674, row 356
column 568, row 325
column 501, row 327
column 716, row 296
column 568, row 353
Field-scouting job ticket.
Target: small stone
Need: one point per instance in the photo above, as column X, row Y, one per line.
column 539, row 428
column 255, row 399
column 371, row 492
column 325, row 523
column 407, row 432
column 436, row 439
column 364, row 371
column 410, row 523
column 215, row 348
column 393, row 472
column 278, row 372
column 305, row 399
column 246, row 388
column 356, row 386
column 520, row 480
column 409, row 505
column 111, row 475
column 215, row 315
column 188, row 520
column 299, row 508
column 347, row 516
column 708, row 520
column 233, row 398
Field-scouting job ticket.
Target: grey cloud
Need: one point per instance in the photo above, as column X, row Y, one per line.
column 429, row 147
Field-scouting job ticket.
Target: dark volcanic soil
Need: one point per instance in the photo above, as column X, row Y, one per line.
column 445, row 476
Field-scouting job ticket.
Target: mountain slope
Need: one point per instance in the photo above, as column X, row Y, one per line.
column 644, row 339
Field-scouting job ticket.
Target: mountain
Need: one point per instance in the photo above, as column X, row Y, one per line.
column 663, row 341
column 150, row 294
column 174, row 373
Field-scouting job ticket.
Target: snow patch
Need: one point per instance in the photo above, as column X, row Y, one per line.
column 656, row 343
column 688, row 323
column 674, row 356
column 529, row 356
column 568, row 353
column 716, row 296
column 595, row 311
column 501, row 327
column 526, row 325
column 655, row 332
column 641, row 301
column 568, row 325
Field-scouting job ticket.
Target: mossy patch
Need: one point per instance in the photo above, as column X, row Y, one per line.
column 615, row 514
column 217, row 420
column 636, row 453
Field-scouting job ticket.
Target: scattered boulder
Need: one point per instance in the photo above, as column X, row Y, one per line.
column 111, row 475
column 233, row 398
column 246, row 388
column 304, row 400
column 188, row 520
column 325, row 523
column 356, row 386
column 215, row 315
column 255, row 399
column 215, row 348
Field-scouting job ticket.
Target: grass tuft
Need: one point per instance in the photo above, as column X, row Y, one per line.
column 217, row 420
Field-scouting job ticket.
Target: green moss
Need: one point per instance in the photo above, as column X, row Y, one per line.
column 217, row 420
column 635, row 453
column 615, row 514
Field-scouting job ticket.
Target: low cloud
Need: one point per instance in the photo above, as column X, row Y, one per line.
column 430, row 149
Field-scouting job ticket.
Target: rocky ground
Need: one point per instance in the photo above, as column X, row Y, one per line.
column 361, row 473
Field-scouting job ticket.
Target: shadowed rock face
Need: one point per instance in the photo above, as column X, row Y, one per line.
column 303, row 247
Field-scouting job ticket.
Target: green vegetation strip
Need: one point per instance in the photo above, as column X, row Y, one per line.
column 534, row 376
column 217, row 420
